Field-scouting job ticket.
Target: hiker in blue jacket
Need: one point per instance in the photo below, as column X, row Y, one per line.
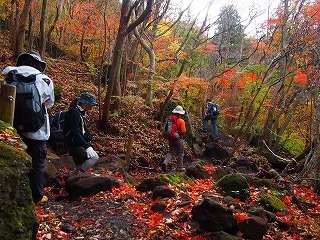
column 76, row 134
column 30, row 63
column 212, row 112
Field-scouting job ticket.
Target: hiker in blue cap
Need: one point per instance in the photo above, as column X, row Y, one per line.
column 77, row 136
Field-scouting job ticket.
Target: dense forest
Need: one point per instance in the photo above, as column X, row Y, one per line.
column 267, row 85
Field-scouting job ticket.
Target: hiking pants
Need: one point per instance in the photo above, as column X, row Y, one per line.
column 213, row 119
column 80, row 159
column 175, row 148
column 38, row 151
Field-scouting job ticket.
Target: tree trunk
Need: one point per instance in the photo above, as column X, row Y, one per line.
column 18, row 46
column 152, row 66
column 30, row 32
column 56, row 19
column 312, row 166
column 123, row 31
column 42, row 47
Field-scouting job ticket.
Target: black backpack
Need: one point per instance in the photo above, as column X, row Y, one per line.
column 57, row 125
column 29, row 112
column 214, row 109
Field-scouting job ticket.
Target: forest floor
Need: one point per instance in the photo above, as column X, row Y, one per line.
column 124, row 213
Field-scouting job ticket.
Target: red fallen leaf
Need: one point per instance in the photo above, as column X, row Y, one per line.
column 156, row 219
column 287, row 200
column 62, row 234
column 5, row 135
column 240, row 216
column 90, row 222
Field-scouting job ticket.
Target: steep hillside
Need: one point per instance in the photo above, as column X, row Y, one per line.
column 124, row 212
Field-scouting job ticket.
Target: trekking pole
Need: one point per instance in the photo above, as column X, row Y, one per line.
column 7, row 103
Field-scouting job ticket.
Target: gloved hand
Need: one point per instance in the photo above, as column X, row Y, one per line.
column 91, row 153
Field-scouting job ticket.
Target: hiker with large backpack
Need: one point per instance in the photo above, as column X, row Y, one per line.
column 211, row 114
column 34, row 95
column 76, row 134
column 173, row 130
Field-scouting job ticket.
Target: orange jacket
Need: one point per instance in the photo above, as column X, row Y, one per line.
column 181, row 126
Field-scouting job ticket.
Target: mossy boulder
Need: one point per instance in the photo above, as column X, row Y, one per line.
column 17, row 213
column 272, row 203
column 234, row 185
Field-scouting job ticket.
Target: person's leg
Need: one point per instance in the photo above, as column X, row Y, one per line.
column 89, row 163
column 79, row 156
column 38, row 151
column 205, row 122
column 169, row 156
column 215, row 127
column 170, row 153
column 180, row 153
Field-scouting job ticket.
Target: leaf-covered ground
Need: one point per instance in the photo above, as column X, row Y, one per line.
column 125, row 213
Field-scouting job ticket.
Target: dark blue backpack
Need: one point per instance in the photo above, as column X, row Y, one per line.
column 56, row 126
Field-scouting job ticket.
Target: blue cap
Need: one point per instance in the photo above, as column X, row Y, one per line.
column 88, row 99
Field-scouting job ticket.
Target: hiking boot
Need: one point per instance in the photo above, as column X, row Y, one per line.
column 164, row 167
column 43, row 199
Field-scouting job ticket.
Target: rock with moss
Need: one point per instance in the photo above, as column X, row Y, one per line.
column 17, row 213
column 234, row 185
column 272, row 203
column 174, row 178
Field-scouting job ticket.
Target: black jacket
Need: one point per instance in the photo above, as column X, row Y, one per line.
column 75, row 130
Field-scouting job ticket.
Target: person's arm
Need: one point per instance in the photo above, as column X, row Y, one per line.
column 181, row 126
column 45, row 87
column 75, row 121
column 208, row 108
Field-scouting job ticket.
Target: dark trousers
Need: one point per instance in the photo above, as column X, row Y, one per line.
column 213, row 119
column 38, row 152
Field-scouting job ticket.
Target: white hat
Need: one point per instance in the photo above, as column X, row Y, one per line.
column 179, row 110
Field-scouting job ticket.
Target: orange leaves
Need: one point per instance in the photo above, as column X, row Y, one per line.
column 209, row 48
column 241, row 216
column 301, row 78
column 210, row 168
column 155, row 220
column 185, row 82
column 232, row 78
column 287, row 200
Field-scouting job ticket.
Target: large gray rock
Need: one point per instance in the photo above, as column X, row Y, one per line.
column 254, row 228
column 87, row 184
column 213, row 217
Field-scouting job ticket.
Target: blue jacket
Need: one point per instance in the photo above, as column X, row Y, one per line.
column 75, row 131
